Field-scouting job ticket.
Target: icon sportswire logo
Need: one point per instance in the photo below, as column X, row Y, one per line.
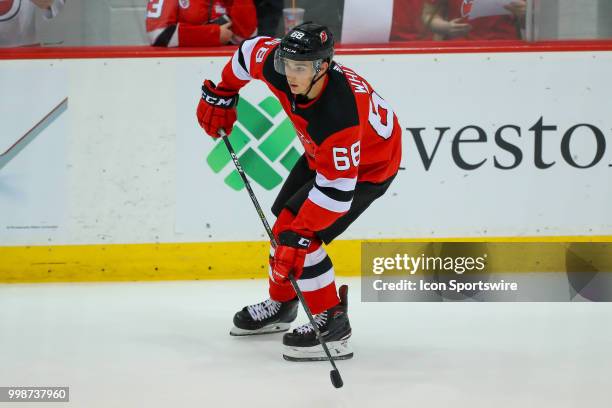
column 265, row 141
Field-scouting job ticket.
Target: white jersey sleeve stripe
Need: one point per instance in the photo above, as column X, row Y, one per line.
column 316, row 196
column 238, row 70
column 343, row 184
column 242, row 72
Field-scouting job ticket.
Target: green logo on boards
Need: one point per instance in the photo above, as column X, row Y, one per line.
column 263, row 139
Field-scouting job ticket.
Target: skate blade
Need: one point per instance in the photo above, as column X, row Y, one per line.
column 271, row 328
column 339, row 350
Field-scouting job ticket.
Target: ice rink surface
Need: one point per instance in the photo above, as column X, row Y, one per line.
column 166, row 344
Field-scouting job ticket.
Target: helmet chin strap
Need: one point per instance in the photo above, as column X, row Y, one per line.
column 314, row 81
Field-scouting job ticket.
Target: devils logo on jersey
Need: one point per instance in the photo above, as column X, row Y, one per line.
column 308, row 147
column 8, row 9
column 184, row 3
column 466, row 7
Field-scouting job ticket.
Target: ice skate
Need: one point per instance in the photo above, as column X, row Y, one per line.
column 302, row 343
column 265, row 317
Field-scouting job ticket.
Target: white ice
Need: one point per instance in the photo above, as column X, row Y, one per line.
column 166, row 344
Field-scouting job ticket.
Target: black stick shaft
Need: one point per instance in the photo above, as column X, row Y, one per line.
column 263, row 219
column 262, row 216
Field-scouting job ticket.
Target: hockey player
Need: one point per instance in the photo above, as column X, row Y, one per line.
column 352, row 143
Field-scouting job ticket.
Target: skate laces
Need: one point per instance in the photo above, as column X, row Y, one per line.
column 320, row 319
column 263, row 310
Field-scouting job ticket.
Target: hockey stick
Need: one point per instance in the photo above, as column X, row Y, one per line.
column 334, row 374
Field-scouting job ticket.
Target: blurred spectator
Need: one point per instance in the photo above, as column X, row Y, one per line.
column 449, row 19
column 200, row 23
column 269, row 13
column 17, row 20
column 407, row 24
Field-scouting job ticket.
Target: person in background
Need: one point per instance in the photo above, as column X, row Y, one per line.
column 269, row 13
column 200, row 23
column 448, row 18
column 17, row 20
column 407, row 24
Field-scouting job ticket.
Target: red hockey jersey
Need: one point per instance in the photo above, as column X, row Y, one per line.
column 407, row 24
column 349, row 133
column 183, row 23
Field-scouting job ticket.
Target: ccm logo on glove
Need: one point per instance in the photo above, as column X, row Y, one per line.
column 216, row 99
column 217, row 108
column 304, row 242
column 289, row 256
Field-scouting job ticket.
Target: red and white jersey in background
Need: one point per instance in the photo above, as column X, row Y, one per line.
column 183, row 23
column 502, row 27
column 17, row 21
column 349, row 133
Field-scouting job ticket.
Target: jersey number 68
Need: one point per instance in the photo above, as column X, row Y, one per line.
column 342, row 159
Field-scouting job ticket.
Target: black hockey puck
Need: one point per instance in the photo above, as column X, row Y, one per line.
column 336, row 379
